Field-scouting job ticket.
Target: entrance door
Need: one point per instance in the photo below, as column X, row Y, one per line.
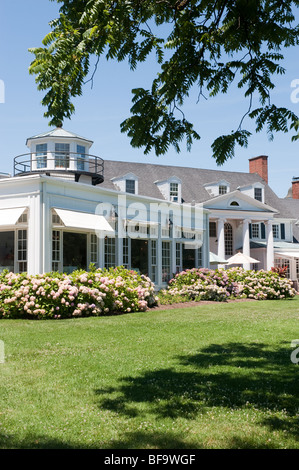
column 139, row 255
column 188, row 258
column 7, row 250
column 74, row 251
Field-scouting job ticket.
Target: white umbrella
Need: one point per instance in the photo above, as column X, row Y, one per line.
column 215, row 259
column 240, row 258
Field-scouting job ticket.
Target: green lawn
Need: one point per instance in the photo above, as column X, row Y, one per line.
column 212, row 376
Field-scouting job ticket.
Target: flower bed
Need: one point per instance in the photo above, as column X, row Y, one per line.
column 82, row 293
column 223, row 284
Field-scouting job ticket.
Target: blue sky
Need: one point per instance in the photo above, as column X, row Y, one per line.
column 101, row 109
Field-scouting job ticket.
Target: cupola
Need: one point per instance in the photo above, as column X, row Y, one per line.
column 60, row 153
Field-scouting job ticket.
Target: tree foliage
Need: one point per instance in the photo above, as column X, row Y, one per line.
column 204, row 44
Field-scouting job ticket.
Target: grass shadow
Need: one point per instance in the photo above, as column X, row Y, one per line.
column 233, row 375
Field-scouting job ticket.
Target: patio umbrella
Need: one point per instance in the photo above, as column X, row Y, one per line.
column 240, row 258
column 215, row 259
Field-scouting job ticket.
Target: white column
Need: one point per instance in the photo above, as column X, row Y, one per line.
column 220, row 237
column 246, row 241
column 34, row 236
column 270, row 245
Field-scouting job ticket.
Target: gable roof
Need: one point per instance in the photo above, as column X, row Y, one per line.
column 252, row 204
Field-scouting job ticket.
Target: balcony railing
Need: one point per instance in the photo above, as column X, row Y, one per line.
column 61, row 163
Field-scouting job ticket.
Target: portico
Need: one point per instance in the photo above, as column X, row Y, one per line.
column 233, row 226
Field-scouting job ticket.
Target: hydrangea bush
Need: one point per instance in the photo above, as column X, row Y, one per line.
column 223, row 284
column 82, row 293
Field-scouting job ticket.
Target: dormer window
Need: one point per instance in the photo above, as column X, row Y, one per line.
column 171, row 189
column 255, row 190
column 127, row 183
column 258, row 194
column 222, row 189
column 217, row 188
column 174, row 192
column 130, row 186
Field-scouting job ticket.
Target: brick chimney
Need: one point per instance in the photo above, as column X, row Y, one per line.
column 259, row 165
column 295, row 188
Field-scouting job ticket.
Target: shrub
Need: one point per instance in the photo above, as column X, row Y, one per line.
column 222, row 284
column 82, row 293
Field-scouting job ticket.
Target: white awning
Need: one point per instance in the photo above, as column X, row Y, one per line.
column 83, row 220
column 288, row 254
column 10, row 216
column 139, row 222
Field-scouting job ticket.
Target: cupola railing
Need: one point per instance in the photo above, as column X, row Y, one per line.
column 60, row 163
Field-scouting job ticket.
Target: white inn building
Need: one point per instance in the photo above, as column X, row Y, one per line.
column 65, row 208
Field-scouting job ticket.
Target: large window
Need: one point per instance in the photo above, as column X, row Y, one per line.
column 62, row 155
column 41, row 156
column 22, row 251
column 166, row 275
column 228, row 239
column 110, row 252
column 56, row 244
column 283, row 263
column 154, row 260
column 212, row 229
column 94, row 249
column 276, row 233
column 126, row 252
column 178, row 257
column 200, row 257
column 255, row 230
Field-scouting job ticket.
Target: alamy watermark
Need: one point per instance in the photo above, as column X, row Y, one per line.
column 2, row 92
column 295, row 353
column 136, row 220
column 295, row 92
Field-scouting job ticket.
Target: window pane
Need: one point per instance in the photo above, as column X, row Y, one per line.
column 94, row 249
column 41, row 155
column 228, row 239
column 212, row 229
column 110, row 252
column 258, row 194
column 130, row 186
column 62, row 155
column 22, row 250
column 80, row 157
column 222, row 189
column 166, row 262
column 255, row 230
column 174, row 191
column 55, row 250
column 275, row 228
